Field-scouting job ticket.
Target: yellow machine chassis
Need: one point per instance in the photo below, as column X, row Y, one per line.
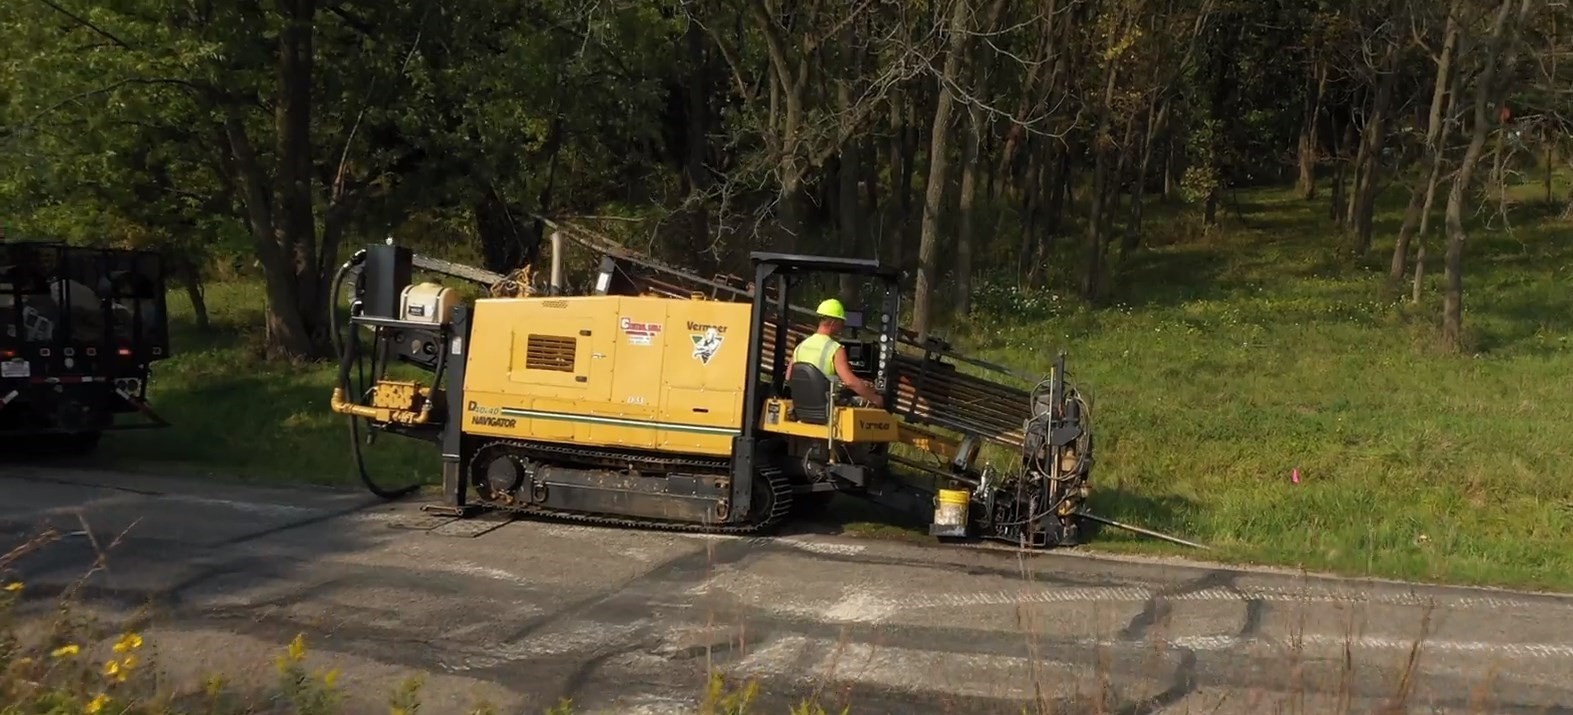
column 851, row 424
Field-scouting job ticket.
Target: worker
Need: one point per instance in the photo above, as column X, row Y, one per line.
column 822, row 350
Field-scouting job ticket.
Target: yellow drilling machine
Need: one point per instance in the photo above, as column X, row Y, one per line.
column 663, row 399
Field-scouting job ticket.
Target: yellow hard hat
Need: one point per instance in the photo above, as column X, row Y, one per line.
column 831, row 308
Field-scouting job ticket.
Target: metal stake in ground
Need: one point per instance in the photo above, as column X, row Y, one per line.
column 1139, row 530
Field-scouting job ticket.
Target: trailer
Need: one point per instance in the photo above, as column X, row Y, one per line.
column 83, row 327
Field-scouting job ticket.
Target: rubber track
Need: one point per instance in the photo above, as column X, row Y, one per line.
column 779, row 486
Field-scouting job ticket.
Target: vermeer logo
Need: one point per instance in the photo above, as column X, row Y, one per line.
column 705, row 327
column 706, row 344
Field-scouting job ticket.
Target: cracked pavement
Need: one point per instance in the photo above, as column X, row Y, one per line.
column 628, row 621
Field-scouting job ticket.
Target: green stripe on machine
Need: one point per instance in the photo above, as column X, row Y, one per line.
column 596, row 419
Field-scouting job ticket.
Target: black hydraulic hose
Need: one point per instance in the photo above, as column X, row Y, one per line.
column 344, row 347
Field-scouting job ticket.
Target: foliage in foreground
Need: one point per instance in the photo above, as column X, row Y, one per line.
column 73, row 667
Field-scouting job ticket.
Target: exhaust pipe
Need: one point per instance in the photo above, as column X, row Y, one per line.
column 557, row 263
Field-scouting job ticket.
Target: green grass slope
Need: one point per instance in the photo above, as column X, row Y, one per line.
column 1230, row 361
column 1235, row 360
column 235, row 415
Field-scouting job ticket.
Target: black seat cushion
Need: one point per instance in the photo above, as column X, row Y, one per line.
column 810, row 394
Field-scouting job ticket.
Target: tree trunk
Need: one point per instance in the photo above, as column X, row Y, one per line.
column 695, row 177
column 1030, row 100
column 868, row 161
column 1306, row 186
column 1031, row 202
column 789, row 215
column 1499, row 166
column 1551, row 157
column 191, row 277
column 1155, row 125
column 1115, row 184
column 1340, row 191
column 1546, row 135
column 1060, row 194
column 1168, row 168
column 1455, row 88
column 928, row 246
column 789, row 76
column 1375, row 138
column 1426, row 183
column 698, row 110
column 1092, row 284
column 847, row 197
column 902, row 165
column 1486, row 89
column 300, row 336
column 1221, row 103
column 969, row 170
column 964, row 214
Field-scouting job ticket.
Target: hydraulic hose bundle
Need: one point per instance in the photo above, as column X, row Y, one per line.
column 347, row 349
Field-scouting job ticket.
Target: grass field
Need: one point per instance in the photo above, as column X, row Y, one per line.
column 1230, row 361
column 234, row 414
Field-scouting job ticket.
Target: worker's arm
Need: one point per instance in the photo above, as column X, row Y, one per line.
column 858, row 385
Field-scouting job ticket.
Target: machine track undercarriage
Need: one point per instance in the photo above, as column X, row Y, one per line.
column 585, row 485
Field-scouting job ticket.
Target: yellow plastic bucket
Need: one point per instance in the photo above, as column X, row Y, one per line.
column 951, row 509
column 955, row 497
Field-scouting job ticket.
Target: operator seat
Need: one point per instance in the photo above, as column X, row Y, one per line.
column 810, row 394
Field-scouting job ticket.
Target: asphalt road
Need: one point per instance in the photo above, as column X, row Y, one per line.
column 632, row 621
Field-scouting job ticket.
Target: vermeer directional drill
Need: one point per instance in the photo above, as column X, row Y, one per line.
column 661, row 399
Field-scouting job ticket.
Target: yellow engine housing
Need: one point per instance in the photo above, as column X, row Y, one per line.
column 544, row 368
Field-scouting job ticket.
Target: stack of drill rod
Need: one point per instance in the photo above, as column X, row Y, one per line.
column 928, row 391
column 934, row 393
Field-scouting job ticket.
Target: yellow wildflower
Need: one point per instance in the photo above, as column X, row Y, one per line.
column 130, row 661
column 14, row 586
column 97, row 703
column 67, row 650
column 297, row 647
column 331, row 677
column 114, row 671
column 127, row 642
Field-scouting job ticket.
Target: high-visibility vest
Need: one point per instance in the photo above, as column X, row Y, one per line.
column 818, row 350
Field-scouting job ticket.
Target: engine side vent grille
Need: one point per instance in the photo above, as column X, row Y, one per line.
column 550, row 352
